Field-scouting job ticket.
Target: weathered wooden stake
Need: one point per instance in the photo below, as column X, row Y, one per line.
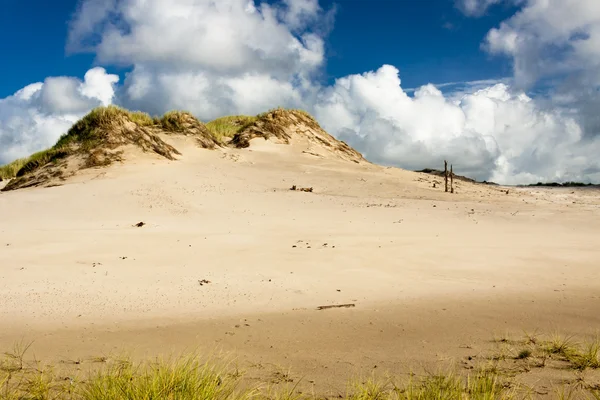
column 451, row 180
column 446, row 174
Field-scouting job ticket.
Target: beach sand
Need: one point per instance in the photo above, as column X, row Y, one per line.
column 434, row 277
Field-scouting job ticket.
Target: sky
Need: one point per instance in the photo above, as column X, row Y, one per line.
column 506, row 90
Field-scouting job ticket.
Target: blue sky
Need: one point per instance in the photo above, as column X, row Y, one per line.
column 523, row 106
column 427, row 40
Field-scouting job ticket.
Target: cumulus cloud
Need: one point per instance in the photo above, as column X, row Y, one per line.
column 489, row 134
column 34, row 117
column 548, row 38
column 556, row 43
column 206, row 56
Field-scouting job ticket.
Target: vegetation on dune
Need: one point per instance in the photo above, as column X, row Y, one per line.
column 93, row 130
column 564, row 184
column 188, row 377
column 103, row 127
column 273, row 123
column 85, row 133
column 10, row 170
column 228, row 127
column 175, row 121
column 22, row 166
column 282, row 109
column 225, row 128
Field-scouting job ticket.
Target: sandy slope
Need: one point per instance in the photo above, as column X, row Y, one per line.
column 427, row 271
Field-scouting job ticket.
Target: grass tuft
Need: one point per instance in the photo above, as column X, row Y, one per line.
column 588, row 357
column 226, row 127
column 523, row 354
column 10, row 170
column 85, row 135
column 560, row 345
column 24, row 165
column 87, row 132
column 141, row 118
column 185, row 378
column 174, row 121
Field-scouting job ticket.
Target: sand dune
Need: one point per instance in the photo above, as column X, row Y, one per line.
column 427, row 271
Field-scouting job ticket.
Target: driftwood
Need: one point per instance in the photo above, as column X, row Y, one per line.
column 451, row 179
column 336, row 306
column 446, row 175
column 301, row 189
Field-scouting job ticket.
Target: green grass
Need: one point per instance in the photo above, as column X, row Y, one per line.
column 179, row 378
column 173, row 121
column 226, row 127
column 560, row 345
column 141, row 118
column 523, row 354
column 86, row 133
column 184, row 378
column 483, row 385
column 187, row 377
column 9, row 171
column 300, row 111
column 24, row 165
column 587, row 356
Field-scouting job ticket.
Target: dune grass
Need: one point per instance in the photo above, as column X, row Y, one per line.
column 10, row 170
column 226, row 127
column 279, row 109
column 84, row 132
column 87, row 133
column 187, row 377
column 587, row 356
column 184, row 378
column 36, row 160
column 173, row 121
column 484, row 385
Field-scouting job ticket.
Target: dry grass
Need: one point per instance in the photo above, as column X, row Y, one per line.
column 282, row 109
column 10, row 170
column 95, row 137
column 273, row 124
column 93, row 131
column 25, row 165
column 173, row 121
column 184, row 378
column 90, row 130
column 225, row 128
column 483, row 385
column 187, row 377
column 586, row 356
column 85, row 132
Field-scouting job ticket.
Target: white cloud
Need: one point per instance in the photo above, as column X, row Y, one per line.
column 547, row 38
column 34, row 117
column 475, row 7
column 206, row 56
column 490, row 134
column 556, row 43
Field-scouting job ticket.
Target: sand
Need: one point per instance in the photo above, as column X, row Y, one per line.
column 433, row 277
